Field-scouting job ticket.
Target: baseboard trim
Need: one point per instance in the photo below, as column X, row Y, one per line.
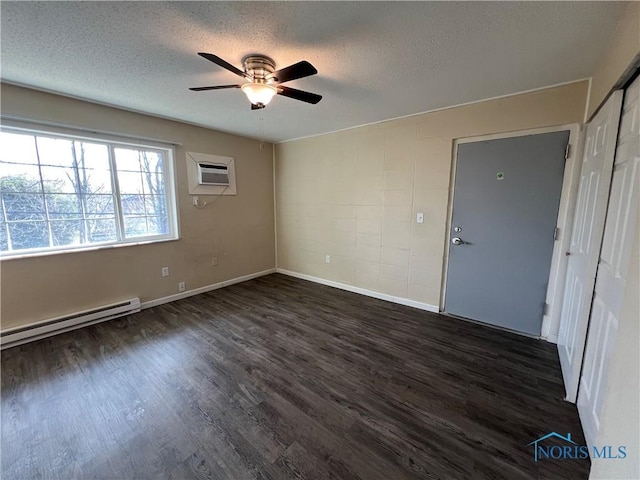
column 206, row 288
column 362, row 291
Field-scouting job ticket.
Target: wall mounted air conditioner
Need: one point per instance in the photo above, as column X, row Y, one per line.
column 213, row 174
column 210, row 174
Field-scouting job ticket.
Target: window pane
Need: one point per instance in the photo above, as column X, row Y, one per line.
column 130, row 182
column 98, row 181
column 70, row 216
column 102, row 230
column 127, row 160
column 156, row 204
column 135, row 226
column 99, row 205
column 72, row 153
column 72, row 180
column 17, row 148
column 63, row 205
column 153, row 183
column 20, row 178
column 55, row 151
column 92, row 156
column 24, row 206
column 151, row 162
column 132, row 205
column 58, row 179
column 28, row 235
column 158, row 225
column 4, row 239
column 67, row 232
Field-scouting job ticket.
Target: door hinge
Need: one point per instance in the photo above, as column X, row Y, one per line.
column 556, row 233
column 567, row 151
column 545, row 309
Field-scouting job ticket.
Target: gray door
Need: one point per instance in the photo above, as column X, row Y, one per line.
column 505, row 207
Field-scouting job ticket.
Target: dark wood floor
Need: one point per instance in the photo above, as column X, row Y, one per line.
column 282, row 378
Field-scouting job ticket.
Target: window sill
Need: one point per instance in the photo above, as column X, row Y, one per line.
column 19, row 256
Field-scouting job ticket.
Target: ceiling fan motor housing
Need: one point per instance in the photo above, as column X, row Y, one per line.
column 260, row 68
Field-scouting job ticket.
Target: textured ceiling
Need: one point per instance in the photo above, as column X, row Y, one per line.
column 376, row 60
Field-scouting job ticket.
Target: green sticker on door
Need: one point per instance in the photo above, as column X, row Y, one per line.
column 500, row 176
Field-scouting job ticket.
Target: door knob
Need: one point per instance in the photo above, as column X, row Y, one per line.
column 457, row 241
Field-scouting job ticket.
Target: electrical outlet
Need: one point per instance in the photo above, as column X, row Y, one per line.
column 420, row 217
column 327, row 259
column 214, row 261
column 165, row 271
column 182, row 287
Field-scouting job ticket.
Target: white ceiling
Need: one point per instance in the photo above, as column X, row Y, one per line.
column 376, row 60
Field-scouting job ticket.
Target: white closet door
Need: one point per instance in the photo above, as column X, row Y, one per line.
column 586, row 239
column 613, row 266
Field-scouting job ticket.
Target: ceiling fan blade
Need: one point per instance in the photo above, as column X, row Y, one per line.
column 217, row 87
column 222, row 63
column 292, row 72
column 256, row 107
column 298, row 94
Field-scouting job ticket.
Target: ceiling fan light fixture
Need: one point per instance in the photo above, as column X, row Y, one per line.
column 259, row 93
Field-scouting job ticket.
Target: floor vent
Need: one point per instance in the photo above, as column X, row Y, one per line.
column 17, row 336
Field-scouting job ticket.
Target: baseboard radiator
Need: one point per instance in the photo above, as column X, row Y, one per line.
column 28, row 333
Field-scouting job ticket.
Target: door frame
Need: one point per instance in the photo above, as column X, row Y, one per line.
column 568, row 196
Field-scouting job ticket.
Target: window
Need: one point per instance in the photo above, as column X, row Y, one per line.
column 60, row 192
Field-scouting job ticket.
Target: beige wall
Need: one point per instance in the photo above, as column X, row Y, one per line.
column 239, row 229
column 623, row 47
column 354, row 194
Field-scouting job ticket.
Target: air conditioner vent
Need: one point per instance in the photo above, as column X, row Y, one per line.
column 213, row 174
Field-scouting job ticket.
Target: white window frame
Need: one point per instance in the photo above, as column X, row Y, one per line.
column 111, row 142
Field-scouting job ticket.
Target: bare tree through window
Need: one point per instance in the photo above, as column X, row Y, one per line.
column 57, row 192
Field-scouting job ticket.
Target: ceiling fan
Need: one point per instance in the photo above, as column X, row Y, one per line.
column 263, row 80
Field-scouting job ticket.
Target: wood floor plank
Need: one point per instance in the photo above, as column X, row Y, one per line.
column 279, row 378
